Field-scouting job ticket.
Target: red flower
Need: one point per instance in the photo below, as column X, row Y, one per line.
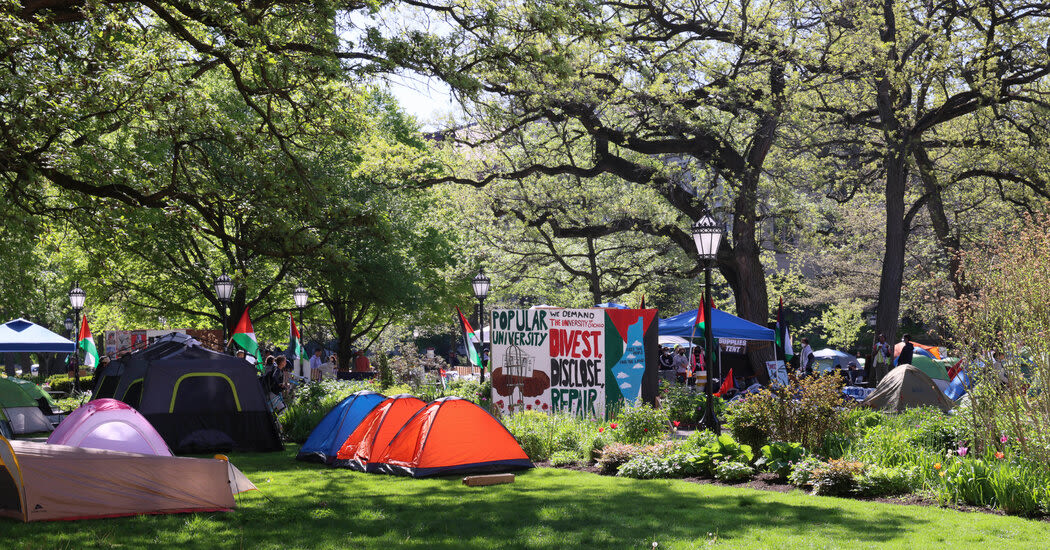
column 528, row 407
column 645, row 429
column 500, row 403
column 537, row 401
column 600, row 430
column 999, row 455
column 612, row 426
column 676, row 423
column 544, row 406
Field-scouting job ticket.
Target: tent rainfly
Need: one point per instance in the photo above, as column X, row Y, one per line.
column 723, row 325
column 41, row 482
column 21, row 336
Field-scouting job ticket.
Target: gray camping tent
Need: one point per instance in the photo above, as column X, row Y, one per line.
column 907, row 387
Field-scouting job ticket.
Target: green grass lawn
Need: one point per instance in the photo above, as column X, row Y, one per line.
column 310, row 506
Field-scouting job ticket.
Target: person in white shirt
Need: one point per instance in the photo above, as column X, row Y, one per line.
column 805, row 358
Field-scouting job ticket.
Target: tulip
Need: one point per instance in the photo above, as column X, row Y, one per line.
column 963, row 451
column 999, row 455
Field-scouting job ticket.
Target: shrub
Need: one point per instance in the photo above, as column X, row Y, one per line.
column 64, row 383
column 733, row 472
column 616, row 455
column 641, row 425
column 777, row 457
column 312, row 402
column 805, row 412
column 802, row 471
column 564, row 458
column 877, row 481
column 682, row 403
column 836, row 477
column 541, row 434
column 650, row 467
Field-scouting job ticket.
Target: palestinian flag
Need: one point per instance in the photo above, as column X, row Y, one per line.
column 643, row 302
column 295, row 342
column 782, row 335
column 244, row 338
column 700, row 321
column 87, row 344
column 468, row 337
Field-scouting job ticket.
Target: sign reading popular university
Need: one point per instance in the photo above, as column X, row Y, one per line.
column 587, row 362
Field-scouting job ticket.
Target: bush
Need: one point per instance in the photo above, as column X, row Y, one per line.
column 877, row 481
column 64, row 383
column 805, row 412
column 312, row 402
column 616, row 455
column 802, row 471
column 542, row 434
column 733, row 472
column 682, row 403
column 777, row 457
column 564, row 458
column 836, row 477
column 641, row 425
column 648, row 466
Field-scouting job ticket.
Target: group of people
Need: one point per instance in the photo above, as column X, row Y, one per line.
column 877, row 367
column 681, row 362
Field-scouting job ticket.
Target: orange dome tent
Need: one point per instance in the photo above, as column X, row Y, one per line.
column 376, row 430
column 450, row 436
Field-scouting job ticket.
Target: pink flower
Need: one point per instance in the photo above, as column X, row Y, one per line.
column 963, row 450
column 1004, row 439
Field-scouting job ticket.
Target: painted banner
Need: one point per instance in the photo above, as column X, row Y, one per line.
column 582, row 361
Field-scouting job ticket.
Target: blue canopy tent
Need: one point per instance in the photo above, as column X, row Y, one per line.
column 21, row 336
column 723, row 325
column 612, row 305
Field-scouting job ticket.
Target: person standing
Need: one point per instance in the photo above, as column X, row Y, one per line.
column 880, row 354
column 681, row 364
column 361, row 363
column 315, row 361
column 806, row 358
column 907, row 352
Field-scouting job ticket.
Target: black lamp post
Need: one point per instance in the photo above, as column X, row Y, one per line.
column 223, row 291
column 300, row 295
column 481, row 285
column 707, row 235
column 76, row 299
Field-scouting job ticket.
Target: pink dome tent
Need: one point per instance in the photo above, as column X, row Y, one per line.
column 111, row 425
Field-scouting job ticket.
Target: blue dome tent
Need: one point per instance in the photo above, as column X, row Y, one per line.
column 331, row 432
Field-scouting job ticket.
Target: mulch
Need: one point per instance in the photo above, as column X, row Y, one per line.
column 770, row 482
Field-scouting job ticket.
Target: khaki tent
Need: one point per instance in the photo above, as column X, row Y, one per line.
column 906, row 387
column 39, row 481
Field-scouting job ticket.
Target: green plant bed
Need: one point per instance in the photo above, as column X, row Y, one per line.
column 310, row 506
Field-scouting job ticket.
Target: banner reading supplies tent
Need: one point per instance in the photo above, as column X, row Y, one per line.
column 583, row 361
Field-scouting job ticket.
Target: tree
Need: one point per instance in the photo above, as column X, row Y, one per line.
column 933, row 65
column 681, row 100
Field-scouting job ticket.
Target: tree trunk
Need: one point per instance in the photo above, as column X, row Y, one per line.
column 892, row 277
column 741, row 265
column 942, row 228
column 594, row 276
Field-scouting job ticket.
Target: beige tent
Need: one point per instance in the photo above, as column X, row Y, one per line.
column 906, row 387
column 39, row 481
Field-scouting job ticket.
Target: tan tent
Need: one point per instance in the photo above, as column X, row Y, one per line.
column 906, row 387
column 39, row 481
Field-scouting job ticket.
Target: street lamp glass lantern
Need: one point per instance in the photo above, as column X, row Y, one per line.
column 481, row 284
column 69, row 324
column 707, row 234
column 76, row 298
column 224, row 287
column 300, row 296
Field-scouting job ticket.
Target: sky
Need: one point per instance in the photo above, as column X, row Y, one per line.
column 427, row 99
